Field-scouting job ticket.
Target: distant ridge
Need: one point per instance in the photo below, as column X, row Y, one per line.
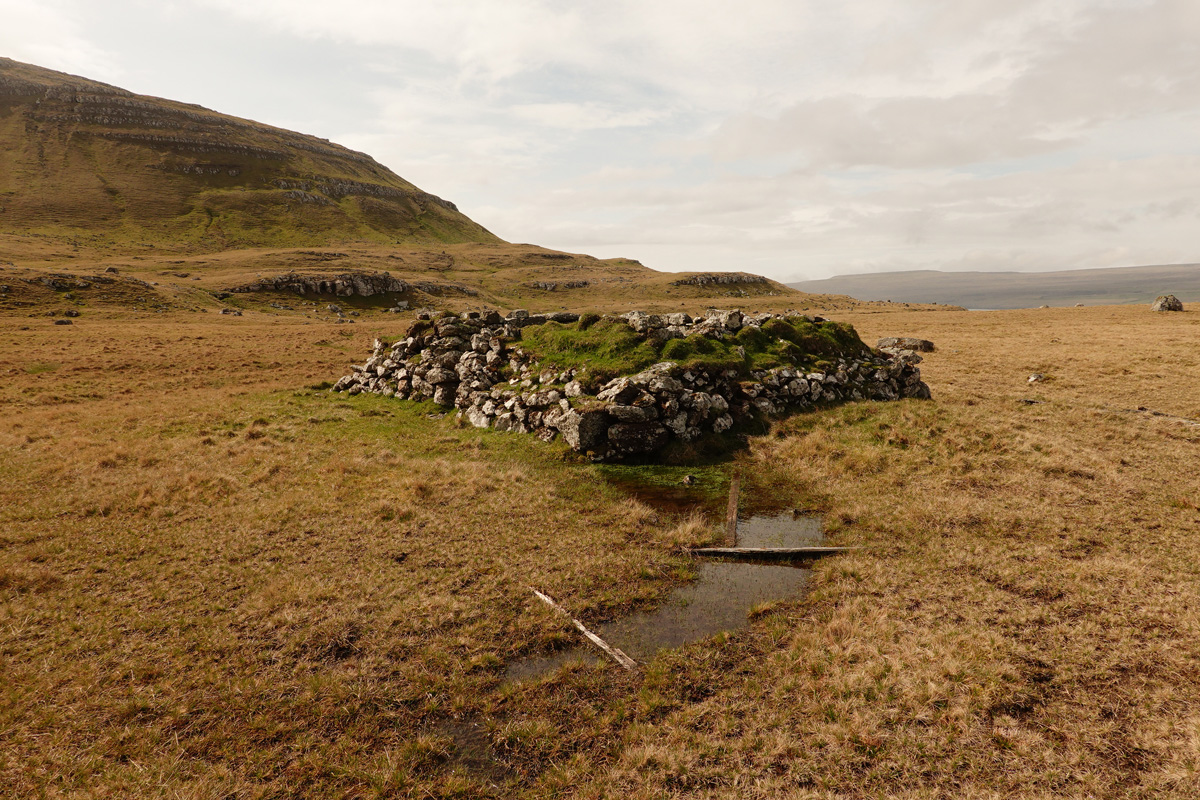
column 82, row 158
column 1112, row 286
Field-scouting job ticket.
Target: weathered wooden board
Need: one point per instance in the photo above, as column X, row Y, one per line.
column 731, row 513
column 769, row 553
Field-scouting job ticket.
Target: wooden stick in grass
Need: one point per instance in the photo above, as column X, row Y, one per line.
column 731, row 513
column 622, row 659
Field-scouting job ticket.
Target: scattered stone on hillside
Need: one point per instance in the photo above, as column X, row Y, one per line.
column 63, row 322
column 1167, row 302
column 235, row 312
column 112, row 270
column 475, row 364
column 1079, row 305
column 1037, row 377
column 349, row 284
column 895, row 344
column 70, row 312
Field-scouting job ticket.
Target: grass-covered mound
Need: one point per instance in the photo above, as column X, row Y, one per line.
column 605, row 347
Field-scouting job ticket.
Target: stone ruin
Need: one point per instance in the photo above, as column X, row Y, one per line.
column 475, row 364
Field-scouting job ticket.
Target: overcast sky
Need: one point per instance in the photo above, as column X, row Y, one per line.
column 792, row 138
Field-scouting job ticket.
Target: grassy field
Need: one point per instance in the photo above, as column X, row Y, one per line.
column 219, row 581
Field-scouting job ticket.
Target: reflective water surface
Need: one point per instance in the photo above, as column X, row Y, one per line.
column 720, row 599
column 788, row 529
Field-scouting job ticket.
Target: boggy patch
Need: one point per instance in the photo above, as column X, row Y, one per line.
column 724, row 597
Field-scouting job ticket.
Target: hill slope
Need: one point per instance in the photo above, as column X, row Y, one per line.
column 1115, row 286
column 84, row 159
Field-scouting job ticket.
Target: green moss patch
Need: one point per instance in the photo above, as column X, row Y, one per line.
column 608, row 347
column 605, row 349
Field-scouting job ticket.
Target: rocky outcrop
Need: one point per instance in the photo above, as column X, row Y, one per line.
column 1168, row 302
column 474, row 363
column 337, row 189
column 720, row 279
column 350, row 284
column 554, row 286
column 445, row 289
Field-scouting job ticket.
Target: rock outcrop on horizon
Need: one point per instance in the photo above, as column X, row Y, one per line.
column 350, row 284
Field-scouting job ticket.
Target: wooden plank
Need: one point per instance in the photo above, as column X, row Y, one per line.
column 616, row 655
column 731, row 513
column 769, row 553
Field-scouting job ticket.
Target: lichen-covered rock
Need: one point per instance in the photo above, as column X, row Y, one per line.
column 896, row 344
column 632, row 413
column 1167, row 302
column 584, row 430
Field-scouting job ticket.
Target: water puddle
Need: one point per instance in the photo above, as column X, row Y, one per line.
column 720, row 599
column 670, row 490
column 471, row 748
column 788, row 529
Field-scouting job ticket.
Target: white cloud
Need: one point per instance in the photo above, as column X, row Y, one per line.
column 584, row 116
column 796, row 137
column 48, row 33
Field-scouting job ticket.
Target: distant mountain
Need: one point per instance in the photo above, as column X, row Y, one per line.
column 82, row 158
column 1115, row 286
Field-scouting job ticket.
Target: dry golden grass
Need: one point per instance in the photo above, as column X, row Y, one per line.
column 502, row 275
column 215, row 581
column 1023, row 622
column 212, row 574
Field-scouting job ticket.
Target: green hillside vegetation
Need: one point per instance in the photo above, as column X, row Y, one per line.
column 84, row 159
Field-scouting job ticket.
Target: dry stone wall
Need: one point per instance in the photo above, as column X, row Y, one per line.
column 475, row 364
